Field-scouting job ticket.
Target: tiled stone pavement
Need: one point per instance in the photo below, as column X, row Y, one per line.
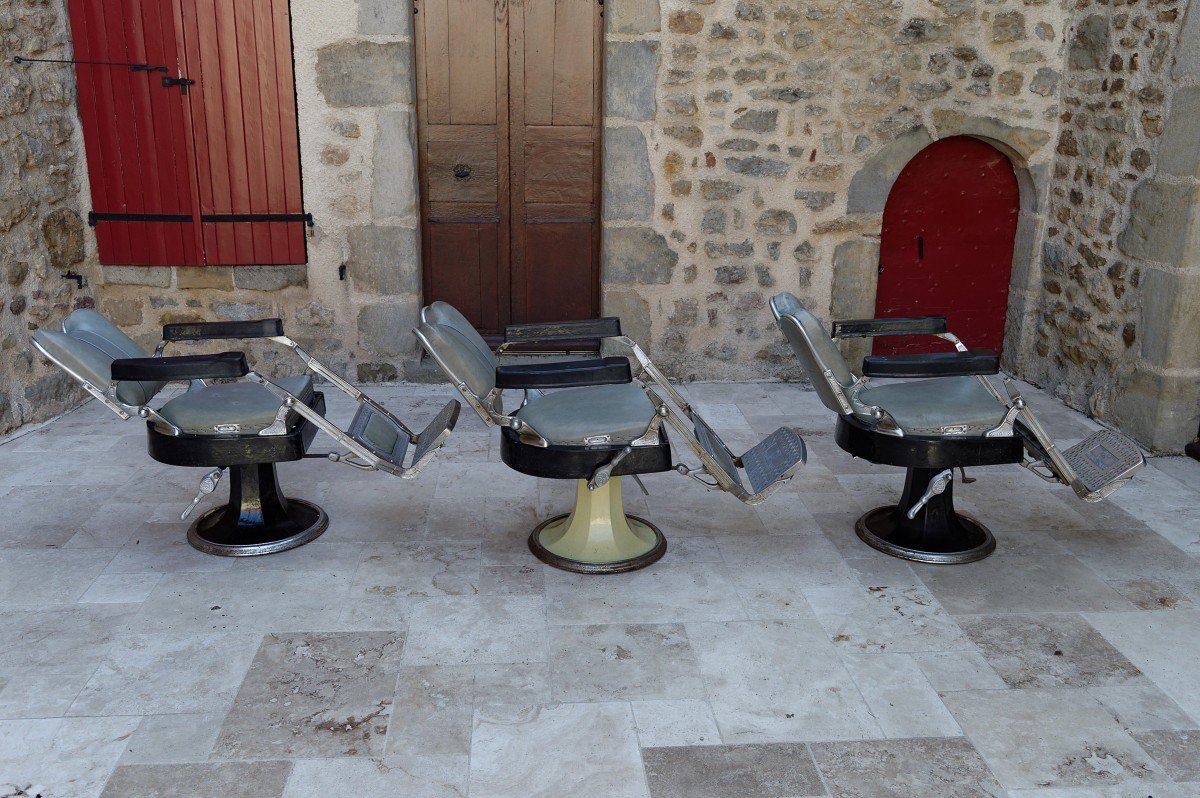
column 417, row 649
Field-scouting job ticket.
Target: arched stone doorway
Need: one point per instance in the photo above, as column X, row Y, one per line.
column 946, row 245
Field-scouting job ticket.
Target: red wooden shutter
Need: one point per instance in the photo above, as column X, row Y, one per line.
column 243, row 112
column 202, row 173
column 134, row 133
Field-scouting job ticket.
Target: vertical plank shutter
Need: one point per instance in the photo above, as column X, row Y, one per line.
column 207, row 172
column 134, row 133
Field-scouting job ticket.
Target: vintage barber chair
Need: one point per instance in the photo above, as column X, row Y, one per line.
column 232, row 418
column 606, row 422
column 950, row 416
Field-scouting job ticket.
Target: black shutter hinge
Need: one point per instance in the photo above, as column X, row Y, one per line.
column 182, row 83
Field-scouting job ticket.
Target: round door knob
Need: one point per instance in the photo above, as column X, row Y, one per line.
column 461, row 171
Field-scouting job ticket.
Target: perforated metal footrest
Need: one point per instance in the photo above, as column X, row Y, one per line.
column 775, row 458
column 1103, row 460
column 384, row 437
column 380, row 434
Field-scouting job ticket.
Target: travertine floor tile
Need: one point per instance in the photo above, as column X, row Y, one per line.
column 673, row 722
column 1047, row 650
column 930, row 768
column 1050, row 738
column 622, row 662
column 217, row 780
column 732, row 771
column 314, row 695
column 575, row 750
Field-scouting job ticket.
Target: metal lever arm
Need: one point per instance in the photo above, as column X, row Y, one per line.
column 207, row 485
column 937, row 486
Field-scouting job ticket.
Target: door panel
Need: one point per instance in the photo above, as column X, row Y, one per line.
column 947, row 244
column 462, row 99
column 508, row 102
column 555, row 139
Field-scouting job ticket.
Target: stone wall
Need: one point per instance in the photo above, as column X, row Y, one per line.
column 771, row 137
column 41, row 232
column 1119, row 321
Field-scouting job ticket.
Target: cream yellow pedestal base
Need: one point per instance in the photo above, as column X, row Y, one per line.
column 597, row 537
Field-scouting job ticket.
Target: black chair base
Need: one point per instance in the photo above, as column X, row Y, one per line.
column 258, row 519
column 615, row 567
column 938, row 534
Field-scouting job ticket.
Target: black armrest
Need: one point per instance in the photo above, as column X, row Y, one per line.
column 609, row 327
column 870, row 328
column 185, row 367
column 573, row 374
column 933, row 364
column 210, row 330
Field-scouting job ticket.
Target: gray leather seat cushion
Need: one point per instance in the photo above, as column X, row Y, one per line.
column 926, row 406
column 249, row 405
column 572, row 415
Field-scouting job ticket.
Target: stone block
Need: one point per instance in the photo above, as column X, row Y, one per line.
column 1179, row 147
column 122, row 312
column 394, row 188
column 62, row 230
column 219, row 278
column 1008, row 26
column 384, row 261
column 1160, row 216
column 364, row 73
column 1159, row 411
column 270, row 278
column 633, row 311
column 1170, row 319
column 636, row 255
column 775, row 221
column 1187, row 57
column 387, row 329
column 241, row 311
column 377, row 372
column 719, row 189
column 384, row 18
column 758, row 120
column 757, row 166
column 628, row 184
column 157, row 276
column 1090, row 44
column 632, row 16
column 685, row 22
column 630, row 77
column 870, row 186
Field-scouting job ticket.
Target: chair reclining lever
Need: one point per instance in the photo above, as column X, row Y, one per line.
column 937, row 486
column 208, row 484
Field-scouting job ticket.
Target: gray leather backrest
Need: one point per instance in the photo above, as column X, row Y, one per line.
column 88, row 345
column 813, row 347
column 454, row 342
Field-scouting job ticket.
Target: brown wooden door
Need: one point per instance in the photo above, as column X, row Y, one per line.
column 508, row 99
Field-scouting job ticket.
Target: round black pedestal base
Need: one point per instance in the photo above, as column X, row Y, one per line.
column 212, row 534
column 257, row 518
column 888, row 530
column 580, row 567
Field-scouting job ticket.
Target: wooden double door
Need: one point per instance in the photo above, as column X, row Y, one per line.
column 509, row 110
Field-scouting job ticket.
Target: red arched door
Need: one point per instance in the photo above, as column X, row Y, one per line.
column 947, row 245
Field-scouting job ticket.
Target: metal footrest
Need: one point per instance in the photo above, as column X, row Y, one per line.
column 380, row 434
column 775, row 458
column 773, row 461
column 388, row 440
column 1103, row 460
column 430, row 439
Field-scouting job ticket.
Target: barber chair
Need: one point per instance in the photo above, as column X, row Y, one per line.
column 595, row 421
column 233, row 419
column 950, row 416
